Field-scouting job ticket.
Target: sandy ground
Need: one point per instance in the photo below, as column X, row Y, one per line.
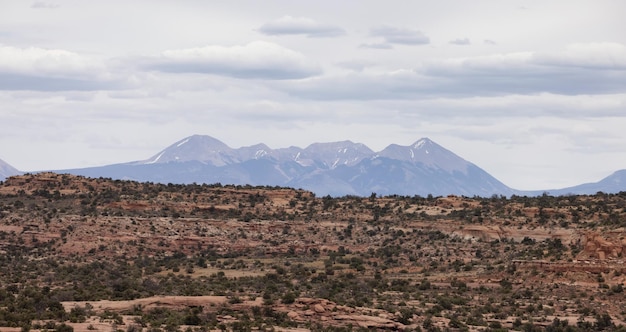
column 149, row 302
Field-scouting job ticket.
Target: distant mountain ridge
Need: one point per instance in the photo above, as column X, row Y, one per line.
column 335, row 168
column 613, row 183
column 7, row 170
column 211, row 151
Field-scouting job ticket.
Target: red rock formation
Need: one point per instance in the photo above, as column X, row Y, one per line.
column 603, row 247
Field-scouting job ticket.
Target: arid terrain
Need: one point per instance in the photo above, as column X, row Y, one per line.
column 101, row 255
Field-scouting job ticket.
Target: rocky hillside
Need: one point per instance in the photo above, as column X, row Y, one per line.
column 102, row 254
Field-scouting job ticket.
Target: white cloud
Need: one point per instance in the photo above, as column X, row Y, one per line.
column 256, row 60
column 50, row 69
column 288, row 25
column 47, row 62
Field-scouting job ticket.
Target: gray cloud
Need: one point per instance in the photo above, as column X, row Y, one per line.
column 570, row 72
column 38, row 83
column 288, row 25
column 256, row 60
column 460, row 41
column 378, row 46
column 404, row 36
column 360, row 86
column 356, row 65
column 602, row 56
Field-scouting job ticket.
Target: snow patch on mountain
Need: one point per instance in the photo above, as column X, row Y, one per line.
column 260, row 154
column 183, row 142
column 420, row 143
column 155, row 159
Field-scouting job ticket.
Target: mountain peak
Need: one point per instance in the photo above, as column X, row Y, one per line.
column 203, row 140
column 425, row 151
column 256, row 151
column 334, row 154
column 422, row 142
column 327, row 145
column 196, row 147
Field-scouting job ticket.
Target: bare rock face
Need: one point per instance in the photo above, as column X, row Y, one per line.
column 497, row 232
column 603, row 247
column 337, row 315
column 319, row 308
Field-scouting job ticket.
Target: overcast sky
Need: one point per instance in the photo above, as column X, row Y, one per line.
column 533, row 92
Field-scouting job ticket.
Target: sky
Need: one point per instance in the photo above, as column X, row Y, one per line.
column 533, row 92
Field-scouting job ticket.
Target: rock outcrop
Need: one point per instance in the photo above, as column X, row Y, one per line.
column 603, row 246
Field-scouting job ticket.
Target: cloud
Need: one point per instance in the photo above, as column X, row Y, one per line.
column 288, row 25
column 460, row 41
column 377, row 46
column 50, row 70
column 361, row 86
column 528, row 106
column 37, row 83
column 578, row 70
column 355, row 65
column 403, row 36
column 602, row 56
column 44, row 5
column 256, row 60
column 489, row 42
column 46, row 62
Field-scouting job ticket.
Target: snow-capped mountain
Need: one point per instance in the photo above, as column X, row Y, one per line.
column 211, row 151
column 335, row 168
column 425, row 165
column 7, row 170
column 332, row 155
column 428, row 153
column 195, row 148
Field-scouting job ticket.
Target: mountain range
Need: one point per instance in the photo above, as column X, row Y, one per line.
column 336, row 169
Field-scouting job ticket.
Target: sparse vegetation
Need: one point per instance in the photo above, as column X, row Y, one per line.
column 215, row 257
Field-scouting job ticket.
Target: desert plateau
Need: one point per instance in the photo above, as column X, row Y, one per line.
column 88, row 254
